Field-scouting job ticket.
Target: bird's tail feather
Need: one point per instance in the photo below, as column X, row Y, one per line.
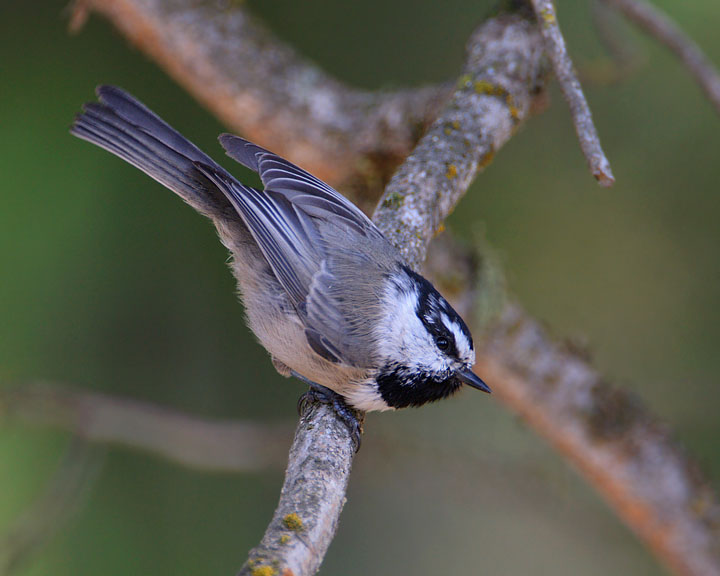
column 125, row 127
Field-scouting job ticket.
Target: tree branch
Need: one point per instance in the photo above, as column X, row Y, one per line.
column 167, row 433
column 657, row 24
column 504, row 69
column 503, row 73
column 571, row 89
column 263, row 89
column 625, row 452
column 311, row 499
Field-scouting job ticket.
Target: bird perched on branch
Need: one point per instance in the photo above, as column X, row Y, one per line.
column 326, row 294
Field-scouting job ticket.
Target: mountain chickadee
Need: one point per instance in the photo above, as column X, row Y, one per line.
column 325, row 293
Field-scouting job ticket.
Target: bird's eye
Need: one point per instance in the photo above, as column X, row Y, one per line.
column 442, row 343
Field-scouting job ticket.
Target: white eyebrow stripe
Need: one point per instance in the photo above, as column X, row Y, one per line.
column 447, row 322
column 461, row 340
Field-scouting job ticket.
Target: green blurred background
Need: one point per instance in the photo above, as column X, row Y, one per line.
column 111, row 284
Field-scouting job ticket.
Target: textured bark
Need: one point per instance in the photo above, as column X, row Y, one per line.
column 503, row 73
column 311, row 500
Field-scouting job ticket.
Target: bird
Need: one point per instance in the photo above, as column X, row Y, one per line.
column 325, row 293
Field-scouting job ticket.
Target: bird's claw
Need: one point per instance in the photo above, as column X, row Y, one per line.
column 323, row 395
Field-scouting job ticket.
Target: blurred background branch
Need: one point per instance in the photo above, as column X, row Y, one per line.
column 626, row 453
column 657, row 24
column 208, row 445
column 260, row 87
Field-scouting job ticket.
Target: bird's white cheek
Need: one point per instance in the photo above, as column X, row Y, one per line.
column 395, row 336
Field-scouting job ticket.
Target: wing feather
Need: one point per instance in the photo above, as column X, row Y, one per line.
column 304, row 190
column 301, row 225
column 315, row 241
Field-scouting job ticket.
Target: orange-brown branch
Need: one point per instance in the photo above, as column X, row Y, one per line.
column 263, row 89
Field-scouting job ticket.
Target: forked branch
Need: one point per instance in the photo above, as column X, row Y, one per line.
column 626, row 455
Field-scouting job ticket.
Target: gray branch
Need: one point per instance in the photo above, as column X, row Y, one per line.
column 628, row 455
column 653, row 21
column 311, row 499
column 621, row 449
column 503, row 71
column 571, row 89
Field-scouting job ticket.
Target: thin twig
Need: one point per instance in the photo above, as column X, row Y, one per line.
column 571, row 89
column 657, row 24
column 167, row 433
column 262, row 88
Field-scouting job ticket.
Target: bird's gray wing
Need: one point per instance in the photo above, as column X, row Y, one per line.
column 286, row 236
column 311, row 195
column 343, row 306
column 305, row 262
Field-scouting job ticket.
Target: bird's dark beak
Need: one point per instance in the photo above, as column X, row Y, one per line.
column 467, row 376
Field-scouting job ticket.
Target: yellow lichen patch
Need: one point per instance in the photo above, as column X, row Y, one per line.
column 440, row 230
column 485, row 160
column 293, row 522
column 514, row 110
column 451, row 172
column 285, row 538
column 393, row 200
column 263, row 571
column 485, row 87
column 450, row 126
column 548, row 16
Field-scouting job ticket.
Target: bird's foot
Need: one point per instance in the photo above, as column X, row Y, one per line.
column 324, row 395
